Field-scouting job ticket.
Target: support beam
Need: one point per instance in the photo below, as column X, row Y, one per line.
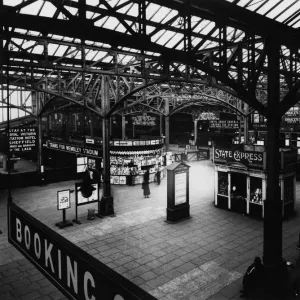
column 106, row 204
column 123, row 127
column 40, row 167
column 167, row 124
column 195, row 131
column 272, row 246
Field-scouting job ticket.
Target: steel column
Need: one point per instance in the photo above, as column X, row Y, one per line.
column 272, row 246
column 167, row 124
column 106, row 204
column 123, row 127
column 195, row 131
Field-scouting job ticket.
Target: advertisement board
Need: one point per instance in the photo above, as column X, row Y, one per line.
column 77, row 274
column 249, row 159
column 180, row 188
column 22, row 139
column 63, row 199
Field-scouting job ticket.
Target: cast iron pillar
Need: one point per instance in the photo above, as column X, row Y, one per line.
column 40, row 167
column 272, row 246
column 123, row 127
column 106, row 203
column 167, row 124
column 195, row 131
column 246, row 124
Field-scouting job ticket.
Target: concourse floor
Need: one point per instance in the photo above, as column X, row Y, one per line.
column 203, row 257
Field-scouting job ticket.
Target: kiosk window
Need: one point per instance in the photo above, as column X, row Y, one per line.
column 256, row 190
column 223, row 183
column 81, row 164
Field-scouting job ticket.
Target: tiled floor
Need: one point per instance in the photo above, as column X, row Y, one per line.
column 203, row 257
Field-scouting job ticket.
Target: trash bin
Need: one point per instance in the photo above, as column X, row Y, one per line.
column 91, row 214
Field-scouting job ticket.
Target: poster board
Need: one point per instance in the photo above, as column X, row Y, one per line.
column 63, row 200
column 180, row 188
column 93, row 198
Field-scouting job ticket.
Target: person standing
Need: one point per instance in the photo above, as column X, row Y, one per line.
column 147, row 176
column 145, row 187
column 158, row 176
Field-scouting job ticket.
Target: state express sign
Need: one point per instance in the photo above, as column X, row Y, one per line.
column 73, row 271
column 250, row 159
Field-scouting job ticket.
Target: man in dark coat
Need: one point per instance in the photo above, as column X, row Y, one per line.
column 253, row 277
column 145, row 187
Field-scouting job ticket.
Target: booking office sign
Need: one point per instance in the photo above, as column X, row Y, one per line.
column 74, row 272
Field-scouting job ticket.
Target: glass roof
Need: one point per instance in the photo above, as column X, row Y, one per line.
column 164, row 26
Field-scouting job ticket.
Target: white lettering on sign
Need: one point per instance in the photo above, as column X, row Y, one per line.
column 88, row 278
column 238, row 155
column 37, row 246
column 48, row 255
column 65, row 269
column 72, row 273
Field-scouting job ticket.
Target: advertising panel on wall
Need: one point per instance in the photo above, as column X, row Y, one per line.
column 22, row 139
column 248, row 159
column 73, row 271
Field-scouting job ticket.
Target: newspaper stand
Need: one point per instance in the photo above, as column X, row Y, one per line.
column 241, row 179
column 178, row 207
column 79, row 200
column 63, row 203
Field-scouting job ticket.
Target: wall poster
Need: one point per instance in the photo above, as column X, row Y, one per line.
column 180, row 188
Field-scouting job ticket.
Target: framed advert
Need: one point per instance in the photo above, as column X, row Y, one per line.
column 63, row 199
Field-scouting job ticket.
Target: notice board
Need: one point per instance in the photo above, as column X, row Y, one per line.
column 22, row 139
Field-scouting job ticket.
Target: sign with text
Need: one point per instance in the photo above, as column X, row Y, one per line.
column 291, row 120
column 73, row 271
column 225, row 124
column 249, row 159
column 63, row 199
column 73, row 149
column 180, row 188
column 144, row 120
column 22, row 139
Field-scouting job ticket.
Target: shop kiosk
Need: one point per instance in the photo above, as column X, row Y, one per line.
column 241, row 179
column 133, row 158
column 178, row 207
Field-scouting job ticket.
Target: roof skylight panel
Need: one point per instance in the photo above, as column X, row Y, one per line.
column 61, row 50
column 174, row 40
column 92, row 2
column 133, row 11
column 160, row 14
column 244, row 3
column 152, row 9
column 39, row 49
column 208, row 28
column 72, row 10
column 172, row 13
column 52, row 48
column 278, row 9
column 202, row 24
column 100, row 22
column 48, row 10
column 255, row 5
column 33, row 8
column 12, row 2
column 267, row 6
column 284, row 16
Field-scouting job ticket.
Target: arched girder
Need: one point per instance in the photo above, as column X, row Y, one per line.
column 131, row 93
column 139, row 108
column 198, row 102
